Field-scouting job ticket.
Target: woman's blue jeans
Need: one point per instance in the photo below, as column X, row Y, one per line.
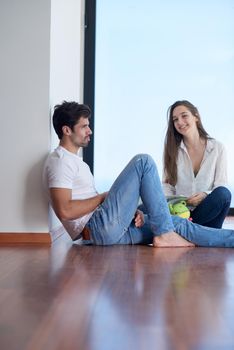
column 213, row 209
column 113, row 221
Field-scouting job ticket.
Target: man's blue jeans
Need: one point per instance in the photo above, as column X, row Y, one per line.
column 113, row 221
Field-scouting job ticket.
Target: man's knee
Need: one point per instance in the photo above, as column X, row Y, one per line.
column 143, row 157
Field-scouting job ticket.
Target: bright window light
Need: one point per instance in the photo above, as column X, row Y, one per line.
column 148, row 55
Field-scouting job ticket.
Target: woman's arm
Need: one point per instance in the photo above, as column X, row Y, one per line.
column 221, row 168
column 220, row 176
column 168, row 189
column 196, row 199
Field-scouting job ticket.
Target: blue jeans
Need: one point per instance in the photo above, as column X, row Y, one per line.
column 213, row 209
column 112, row 222
column 203, row 236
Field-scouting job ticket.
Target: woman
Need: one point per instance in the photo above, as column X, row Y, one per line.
column 195, row 166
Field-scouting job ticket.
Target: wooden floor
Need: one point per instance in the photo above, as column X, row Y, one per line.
column 77, row 297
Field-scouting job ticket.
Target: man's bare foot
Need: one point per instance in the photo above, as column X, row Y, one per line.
column 171, row 239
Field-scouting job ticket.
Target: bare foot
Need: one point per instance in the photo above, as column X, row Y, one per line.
column 171, row 239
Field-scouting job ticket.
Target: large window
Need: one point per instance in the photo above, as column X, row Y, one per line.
column 148, row 55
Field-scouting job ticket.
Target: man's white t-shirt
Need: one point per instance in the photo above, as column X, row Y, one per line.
column 64, row 169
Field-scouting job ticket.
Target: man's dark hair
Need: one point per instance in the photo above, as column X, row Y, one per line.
column 69, row 114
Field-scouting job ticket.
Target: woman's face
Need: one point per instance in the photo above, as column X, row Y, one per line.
column 184, row 121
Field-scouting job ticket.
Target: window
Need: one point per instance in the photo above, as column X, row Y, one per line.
column 148, row 55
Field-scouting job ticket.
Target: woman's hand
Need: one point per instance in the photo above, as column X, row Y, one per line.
column 196, row 199
column 139, row 218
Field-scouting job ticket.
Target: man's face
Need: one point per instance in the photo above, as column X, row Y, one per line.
column 80, row 135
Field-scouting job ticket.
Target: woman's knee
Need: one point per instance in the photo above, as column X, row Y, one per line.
column 223, row 194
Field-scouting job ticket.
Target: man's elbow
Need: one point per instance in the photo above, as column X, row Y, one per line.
column 63, row 214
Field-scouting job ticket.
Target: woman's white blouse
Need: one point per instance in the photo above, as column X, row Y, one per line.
column 212, row 172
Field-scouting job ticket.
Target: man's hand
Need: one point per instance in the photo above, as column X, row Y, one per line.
column 103, row 196
column 196, row 199
column 139, row 218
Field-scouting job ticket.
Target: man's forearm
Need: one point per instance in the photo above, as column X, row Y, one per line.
column 79, row 208
column 74, row 209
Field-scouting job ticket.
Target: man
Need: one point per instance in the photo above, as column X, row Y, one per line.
column 112, row 217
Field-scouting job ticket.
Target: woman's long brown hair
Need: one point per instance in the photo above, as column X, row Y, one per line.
column 173, row 140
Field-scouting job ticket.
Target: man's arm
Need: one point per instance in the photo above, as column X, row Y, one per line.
column 68, row 209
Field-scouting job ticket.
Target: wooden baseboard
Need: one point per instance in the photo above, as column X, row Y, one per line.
column 25, row 237
column 31, row 238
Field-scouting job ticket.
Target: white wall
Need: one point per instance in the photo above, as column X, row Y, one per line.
column 66, row 73
column 24, row 107
column 67, row 40
column 30, row 84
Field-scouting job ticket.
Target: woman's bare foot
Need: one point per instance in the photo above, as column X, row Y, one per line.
column 171, row 239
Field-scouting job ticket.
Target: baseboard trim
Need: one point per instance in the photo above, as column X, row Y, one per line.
column 25, row 237
column 32, row 238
